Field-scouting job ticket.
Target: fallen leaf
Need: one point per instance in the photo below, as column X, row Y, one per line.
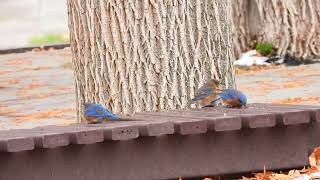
column 33, row 85
column 25, row 70
column 295, row 84
column 309, row 170
column 10, row 81
column 5, row 72
column 24, row 96
column 280, row 177
column 314, row 158
column 254, row 69
column 33, row 69
column 312, row 75
column 294, row 173
column 297, row 100
column 264, row 176
column 67, row 122
column 8, row 111
column 15, row 62
column 54, row 113
column 291, row 72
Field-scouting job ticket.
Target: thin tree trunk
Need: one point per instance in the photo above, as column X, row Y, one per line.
column 148, row 55
column 292, row 26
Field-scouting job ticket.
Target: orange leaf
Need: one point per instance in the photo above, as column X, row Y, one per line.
column 297, row 100
column 314, row 158
column 264, row 176
column 54, row 113
column 15, row 62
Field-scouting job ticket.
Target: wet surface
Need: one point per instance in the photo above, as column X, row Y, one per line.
column 37, row 88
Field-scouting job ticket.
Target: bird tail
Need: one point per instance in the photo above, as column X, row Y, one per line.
column 114, row 117
column 88, row 104
column 213, row 103
column 121, row 119
column 193, row 101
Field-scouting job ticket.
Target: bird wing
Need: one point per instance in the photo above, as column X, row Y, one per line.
column 109, row 115
column 215, row 101
column 95, row 110
column 202, row 93
column 229, row 94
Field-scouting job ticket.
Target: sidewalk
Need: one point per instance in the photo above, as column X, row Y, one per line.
column 37, row 88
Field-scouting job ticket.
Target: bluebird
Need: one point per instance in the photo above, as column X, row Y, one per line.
column 207, row 93
column 231, row 98
column 96, row 113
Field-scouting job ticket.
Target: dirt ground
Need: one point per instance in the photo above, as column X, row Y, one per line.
column 37, row 88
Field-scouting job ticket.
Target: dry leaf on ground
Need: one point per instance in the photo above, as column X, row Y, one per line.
column 314, row 158
column 297, row 100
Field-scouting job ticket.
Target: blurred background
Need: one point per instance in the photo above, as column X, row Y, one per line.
column 33, row 22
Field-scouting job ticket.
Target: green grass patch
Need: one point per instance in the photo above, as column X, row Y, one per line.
column 264, row 49
column 49, row 39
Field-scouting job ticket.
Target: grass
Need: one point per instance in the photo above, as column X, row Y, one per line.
column 264, row 48
column 49, row 39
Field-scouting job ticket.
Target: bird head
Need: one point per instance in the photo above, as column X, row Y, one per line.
column 215, row 82
column 98, row 111
column 88, row 104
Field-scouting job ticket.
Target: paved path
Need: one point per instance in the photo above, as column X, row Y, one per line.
column 37, row 88
column 293, row 85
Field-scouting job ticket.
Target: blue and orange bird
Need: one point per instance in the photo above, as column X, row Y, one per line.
column 96, row 113
column 207, row 93
column 231, row 98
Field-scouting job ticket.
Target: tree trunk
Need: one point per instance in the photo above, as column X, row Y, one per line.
column 292, row 26
column 148, row 55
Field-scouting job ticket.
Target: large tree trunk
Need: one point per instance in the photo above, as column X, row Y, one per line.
column 292, row 25
column 148, row 55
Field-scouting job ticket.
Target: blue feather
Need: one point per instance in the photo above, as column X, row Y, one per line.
column 97, row 110
column 202, row 93
column 233, row 94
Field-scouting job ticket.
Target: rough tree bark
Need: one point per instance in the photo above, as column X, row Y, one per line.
column 148, row 55
column 292, row 25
